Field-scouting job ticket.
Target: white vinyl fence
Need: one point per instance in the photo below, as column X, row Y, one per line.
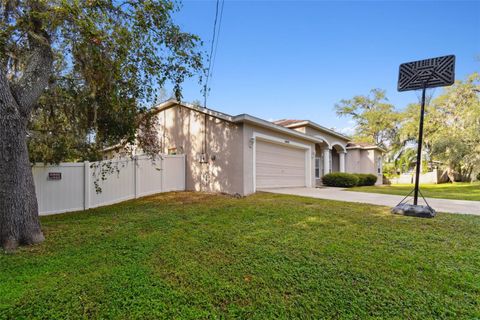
column 432, row 177
column 76, row 186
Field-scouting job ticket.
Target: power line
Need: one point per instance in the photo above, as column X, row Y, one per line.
column 213, row 46
column 218, row 38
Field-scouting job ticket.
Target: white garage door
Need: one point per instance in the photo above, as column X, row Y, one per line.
column 279, row 165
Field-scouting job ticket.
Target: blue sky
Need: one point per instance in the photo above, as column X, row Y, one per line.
column 296, row 59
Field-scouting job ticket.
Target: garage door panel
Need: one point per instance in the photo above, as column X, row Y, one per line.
column 279, row 165
column 286, row 160
column 282, row 175
column 271, row 149
column 277, row 169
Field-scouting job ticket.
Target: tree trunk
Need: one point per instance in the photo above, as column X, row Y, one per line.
column 451, row 174
column 19, row 222
column 469, row 175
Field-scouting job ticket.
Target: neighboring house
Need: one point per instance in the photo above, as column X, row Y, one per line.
column 242, row 154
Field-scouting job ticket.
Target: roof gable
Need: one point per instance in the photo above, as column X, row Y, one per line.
column 287, row 122
column 292, row 124
column 285, row 125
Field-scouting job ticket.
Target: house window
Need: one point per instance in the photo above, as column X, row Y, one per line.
column 379, row 165
column 317, row 168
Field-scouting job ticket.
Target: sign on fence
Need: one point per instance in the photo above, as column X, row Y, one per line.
column 54, row 176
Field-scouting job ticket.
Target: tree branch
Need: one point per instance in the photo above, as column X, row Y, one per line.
column 35, row 78
column 7, row 101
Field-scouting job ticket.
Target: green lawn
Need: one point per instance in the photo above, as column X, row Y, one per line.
column 461, row 191
column 193, row 255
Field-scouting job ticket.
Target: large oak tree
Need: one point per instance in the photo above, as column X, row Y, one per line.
column 76, row 76
column 452, row 125
column 375, row 118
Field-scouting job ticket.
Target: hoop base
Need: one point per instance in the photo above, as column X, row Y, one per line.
column 414, row 210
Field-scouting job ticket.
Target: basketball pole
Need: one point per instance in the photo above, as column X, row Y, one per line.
column 419, row 149
column 420, row 75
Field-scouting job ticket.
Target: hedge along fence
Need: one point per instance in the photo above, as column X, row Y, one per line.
column 80, row 186
column 348, row 180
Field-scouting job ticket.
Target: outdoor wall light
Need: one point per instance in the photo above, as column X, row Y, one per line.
column 203, row 158
column 251, row 142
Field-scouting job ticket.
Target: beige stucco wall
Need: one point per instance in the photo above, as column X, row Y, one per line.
column 183, row 128
column 377, row 154
column 353, row 161
column 300, row 129
column 364, row 161
column 360, row 161
column 248, row 151
column 230, row 166
column 368, row 161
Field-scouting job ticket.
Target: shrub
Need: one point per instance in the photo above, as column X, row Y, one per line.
column 478, row 176
column 340, row 179
column 366, row 179
column 390, row 171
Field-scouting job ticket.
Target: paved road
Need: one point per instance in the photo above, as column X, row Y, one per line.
column 440, row 205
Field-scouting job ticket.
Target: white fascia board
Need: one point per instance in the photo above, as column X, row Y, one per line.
column 165, row 104
column 280, row 141
column 172, row 102
column 368, row 148
column 319, row 127
column 266, row 124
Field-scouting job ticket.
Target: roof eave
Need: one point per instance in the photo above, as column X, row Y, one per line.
column 367, row 148
column 172, row 102
column 267, row 124
column 319, row 127
column 245, row 118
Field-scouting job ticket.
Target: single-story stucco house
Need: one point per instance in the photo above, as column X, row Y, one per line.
column 242, row 154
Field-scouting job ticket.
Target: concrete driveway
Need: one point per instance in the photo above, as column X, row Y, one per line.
column 389, row 200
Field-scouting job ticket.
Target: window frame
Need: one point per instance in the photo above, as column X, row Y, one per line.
column 317, row 167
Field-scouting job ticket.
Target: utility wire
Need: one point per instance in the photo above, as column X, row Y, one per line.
column 214, row 37
column 218, row 38
column 205, row 88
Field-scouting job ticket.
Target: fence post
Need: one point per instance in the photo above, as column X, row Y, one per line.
column 136, row 177
column 86, row 189
column 162, row 170
column 184, row 172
